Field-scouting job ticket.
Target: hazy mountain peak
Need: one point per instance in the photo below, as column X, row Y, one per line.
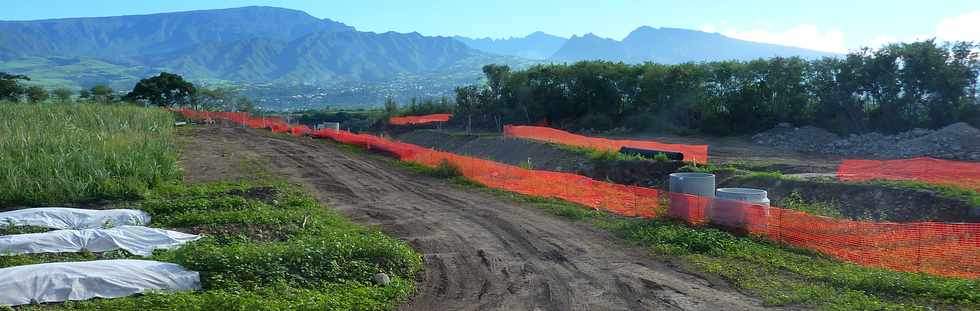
column 542, row 34
column 537, row 45
column 673, row 45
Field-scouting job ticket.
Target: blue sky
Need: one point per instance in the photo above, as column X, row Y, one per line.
column 832, row 25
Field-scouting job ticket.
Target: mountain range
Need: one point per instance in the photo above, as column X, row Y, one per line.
column 537, row 46
column 268, row 45
column 645, row 44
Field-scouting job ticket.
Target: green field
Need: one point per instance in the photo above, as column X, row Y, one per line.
column 266, row 245
column 70, row 153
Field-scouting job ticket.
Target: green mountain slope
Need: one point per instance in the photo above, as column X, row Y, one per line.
column 127, row 38
column 251, row 45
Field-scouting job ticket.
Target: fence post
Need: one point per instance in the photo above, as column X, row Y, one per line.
column 918, row 248
column 779, row 227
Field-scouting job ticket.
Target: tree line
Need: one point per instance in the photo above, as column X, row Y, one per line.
column 898, row 87
column 164, row 90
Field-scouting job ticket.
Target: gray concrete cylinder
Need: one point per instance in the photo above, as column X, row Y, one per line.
column 699, row 184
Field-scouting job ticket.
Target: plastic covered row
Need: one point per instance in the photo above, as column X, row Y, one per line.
column 64, row 281
column 73, row 218
column 140, row 241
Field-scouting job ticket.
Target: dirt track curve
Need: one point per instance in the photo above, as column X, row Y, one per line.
column 480, row 252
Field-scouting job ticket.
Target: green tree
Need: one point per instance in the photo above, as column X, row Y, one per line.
column 895, row 88
column 36, row 94
column 391, row 107
column 10, row 87
column 166, row 89
column 84, row 94
column 244, row 104
column 213, row 99
column 102, row 93
column 62, row 94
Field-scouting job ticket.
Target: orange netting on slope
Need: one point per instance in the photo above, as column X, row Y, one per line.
column 619, row 199
column 934, row 171
column 692, row 153
column 416, row 120
column 275, row 124
column 949, row 249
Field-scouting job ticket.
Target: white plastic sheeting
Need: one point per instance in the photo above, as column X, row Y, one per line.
column 73, row 218
column 139, row 241
column 59, row 282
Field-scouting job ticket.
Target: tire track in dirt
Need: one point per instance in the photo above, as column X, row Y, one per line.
column 481, row 252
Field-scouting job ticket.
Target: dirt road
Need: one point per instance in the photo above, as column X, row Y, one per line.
column 480, row 252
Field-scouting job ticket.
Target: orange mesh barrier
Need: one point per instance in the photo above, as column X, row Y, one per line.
column 615, row 198
column 416, row 120
column 934, row 171
column 279, row 128
column 692, row 153
column 300, row 130
column 948, row 249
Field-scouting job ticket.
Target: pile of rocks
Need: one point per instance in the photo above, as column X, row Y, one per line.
column 958, row 141
column 806, row 139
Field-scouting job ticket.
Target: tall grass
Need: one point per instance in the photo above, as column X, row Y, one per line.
column 64, row 153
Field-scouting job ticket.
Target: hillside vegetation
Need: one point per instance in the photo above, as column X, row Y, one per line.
column 65, row 153
column 899, row 87
column 249, row 45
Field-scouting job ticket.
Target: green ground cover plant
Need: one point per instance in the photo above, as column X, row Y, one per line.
column 267, row 246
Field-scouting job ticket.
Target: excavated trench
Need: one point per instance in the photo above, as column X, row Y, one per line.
column 853, row 200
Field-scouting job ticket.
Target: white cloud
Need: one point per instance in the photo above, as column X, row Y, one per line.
column 804, row 36
column 965, row 27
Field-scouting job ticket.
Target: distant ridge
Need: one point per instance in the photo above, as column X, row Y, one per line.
column 662, row 45
column 538, row 45
column 249, row 44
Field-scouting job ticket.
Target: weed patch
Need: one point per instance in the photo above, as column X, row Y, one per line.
column 68, row 153
column 286, row 252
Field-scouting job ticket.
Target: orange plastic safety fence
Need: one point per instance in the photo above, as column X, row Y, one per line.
column 934, row 171
column 949, row 249
column 300, row 130
column 416, row 120
column 692, row 153
column 615, row 198
column 274, row 123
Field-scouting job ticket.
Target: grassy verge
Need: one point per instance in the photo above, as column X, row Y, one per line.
column 67, row 153
column 779, row 275
column 605, row 155
column 266, row 247
column 948, row 191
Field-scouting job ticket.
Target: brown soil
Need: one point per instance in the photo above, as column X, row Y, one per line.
column 480, row 252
